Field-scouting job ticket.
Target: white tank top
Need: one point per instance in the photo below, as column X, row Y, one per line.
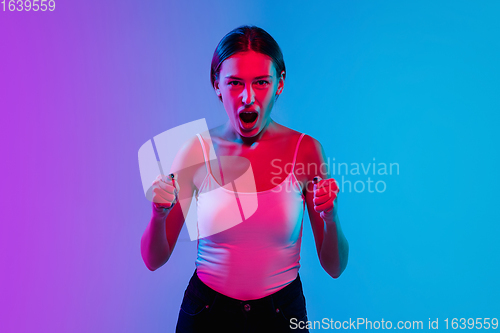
column 260, row 255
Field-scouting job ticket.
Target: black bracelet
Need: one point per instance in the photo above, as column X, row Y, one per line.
column 160, row 208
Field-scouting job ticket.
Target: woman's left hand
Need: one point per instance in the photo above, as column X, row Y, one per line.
column 325, row 197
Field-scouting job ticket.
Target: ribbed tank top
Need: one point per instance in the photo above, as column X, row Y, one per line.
column 260, row 255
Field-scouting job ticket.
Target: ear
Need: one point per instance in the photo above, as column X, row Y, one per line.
column 217, row 89
column 281, row 83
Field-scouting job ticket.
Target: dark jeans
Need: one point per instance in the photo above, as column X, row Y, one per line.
column 205, row 310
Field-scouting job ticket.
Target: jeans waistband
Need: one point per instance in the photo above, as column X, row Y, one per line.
column 207, row 294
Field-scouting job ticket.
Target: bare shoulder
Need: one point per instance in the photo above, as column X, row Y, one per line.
column 287, row 133
column 310, row 158
column 215, row 132
column 188, row 161
column 188, row 150
column 311, row 146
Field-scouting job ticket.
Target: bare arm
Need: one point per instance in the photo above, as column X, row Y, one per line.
column 334, row 250
column 331, row 244
column 155, row 243
column 162, row 232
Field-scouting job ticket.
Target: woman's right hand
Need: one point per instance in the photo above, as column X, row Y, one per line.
column 165, row 191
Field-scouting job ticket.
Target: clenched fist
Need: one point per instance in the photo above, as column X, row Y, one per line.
column 165, row 192
column 325, row 195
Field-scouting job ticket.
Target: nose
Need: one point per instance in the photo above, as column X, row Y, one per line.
column 248, row 95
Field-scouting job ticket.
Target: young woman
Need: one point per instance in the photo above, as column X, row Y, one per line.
column 246, row 277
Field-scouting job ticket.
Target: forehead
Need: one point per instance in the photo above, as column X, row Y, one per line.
column 247, row 65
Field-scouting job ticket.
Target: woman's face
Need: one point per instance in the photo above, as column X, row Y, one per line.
column 248, row 84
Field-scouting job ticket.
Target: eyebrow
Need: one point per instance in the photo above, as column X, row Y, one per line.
column 258, row 77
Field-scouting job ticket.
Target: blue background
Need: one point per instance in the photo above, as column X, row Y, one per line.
column 83, row 87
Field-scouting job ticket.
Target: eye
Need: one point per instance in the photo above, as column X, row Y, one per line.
column 230, row 83
column 262, row 82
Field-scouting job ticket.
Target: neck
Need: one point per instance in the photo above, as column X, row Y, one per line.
column 231, row 135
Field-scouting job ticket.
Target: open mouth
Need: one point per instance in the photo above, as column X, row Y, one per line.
column 248, row 119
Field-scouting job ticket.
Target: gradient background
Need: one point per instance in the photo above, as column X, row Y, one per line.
column 82, row 88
